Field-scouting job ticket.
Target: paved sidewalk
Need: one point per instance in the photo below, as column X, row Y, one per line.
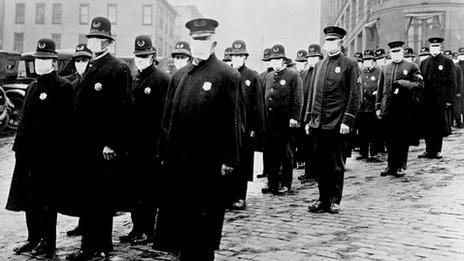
column 419, row 216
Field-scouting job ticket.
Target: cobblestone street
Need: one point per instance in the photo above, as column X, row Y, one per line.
column 419, row 216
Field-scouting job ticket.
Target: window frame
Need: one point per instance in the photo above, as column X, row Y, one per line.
column 108, row 8
column 23, row 17
column 54, row 13
column 81, row 6
column 37, row 6
column 145, row 15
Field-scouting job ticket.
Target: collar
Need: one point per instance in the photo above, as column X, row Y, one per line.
column 281, row 71
column 335, row 55
column 243, row 67
column 150, row 69
column 46, row 77
column 100, row 59
column 205, row 63
column 101, row 55
column 270, row 69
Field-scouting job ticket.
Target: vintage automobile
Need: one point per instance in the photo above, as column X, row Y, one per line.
column 22, row 74
column 9, row 61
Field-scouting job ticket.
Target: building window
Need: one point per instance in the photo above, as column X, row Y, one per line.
column 57, row 39
column 56, row 18
column 40, row 13
column 112, row 11
column 20, row 13
column 84, row 14
column 18, row 44
column 82, row 39
column 421, row 26
column 147, row 14
column 178, row 21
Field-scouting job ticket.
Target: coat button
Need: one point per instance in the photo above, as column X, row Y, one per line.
column 272, row 90
column 270, row 109
column 270, row 99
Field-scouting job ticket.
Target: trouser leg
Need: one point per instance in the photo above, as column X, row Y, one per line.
column 363, row 137
column 97, row 232
column 286, row 157
column 48, row 225
column 337, row 169
column 272, row 162
column 320, row 166
column 33, row 226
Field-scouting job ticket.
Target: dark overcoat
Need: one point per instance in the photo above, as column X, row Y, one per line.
column 42, row 144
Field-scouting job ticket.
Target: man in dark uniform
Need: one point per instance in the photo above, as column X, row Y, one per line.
column 380, row 56
column 41, row 140
column 149, row 92
column 439, row 93
column 331, row 111
column 284, row 101
column 227, row 59
column 399, row 84
column 368, row 122
column 262, row 76
column 301, row 61
column 254, row 121
column 314, row 56
column 455, row 113
column 202, row 127
column 460, row 63
column 409, row 55
column 424, row 54
column 358, row 56
column 380, row 61
column 181, row 54
column 101, row 103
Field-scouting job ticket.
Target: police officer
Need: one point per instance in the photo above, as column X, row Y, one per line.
column 181, row 54
column 314, row 56
column 202, row 126
column 262, row 76
column 42, row 138
column 455, row 113
column 301, row 60
column 409, row 55
column 254, row 120
column 460, row 63
column 439, row 93
column 149, row 91
column 380, row 57
column 284, row 101
column 331, row 111
column 368, row 123
column 227, row 59
column 424, row 54
column 358, row 56
column 399, row 84
column 102, row 99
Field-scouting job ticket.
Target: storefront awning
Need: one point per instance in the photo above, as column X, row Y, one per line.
column 423, row 15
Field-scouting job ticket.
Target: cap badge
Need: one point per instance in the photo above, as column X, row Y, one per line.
column 405, row 72
column 43, row 96
column 372, row 78
column 282, row 82
column 266, row 51
column 80, row 47
column 41, row 45
column 141, row 43
column 275, row 49
column 147, row 90
column 98, row 87
column 440, row 67
column 96, row 24
column 179, row 46
column 199, row 23
column 311, row 49
column 338, row 69
column 247, row 82
column 207, row 86
column 237, row 45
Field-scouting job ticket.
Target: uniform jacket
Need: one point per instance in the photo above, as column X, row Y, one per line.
column 253, row 100
column 439, row 89
column 459, row 80
column 336, row 95
column 306, row 76
column 370, row 80
column 41, row 144
column 284, row 99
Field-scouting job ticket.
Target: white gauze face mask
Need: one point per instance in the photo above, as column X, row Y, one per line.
column 277, row 64
column 435, row 50
column 423, row 57
column 461, row 57
column 300, row 66
column 81, row 66
column 368, row 63
column 143, row 63
column 380, row 62
column 179, row 63
column 95, row 45
column 312, row 61
column 201, row 49
column 397, row 57
column 331, row 46
column 238, row 61
column 43, row 66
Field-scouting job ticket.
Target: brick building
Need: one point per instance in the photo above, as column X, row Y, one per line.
column 373, row 23
column 185, row 13
column 67, row 22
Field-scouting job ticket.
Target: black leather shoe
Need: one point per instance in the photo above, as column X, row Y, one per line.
column 374, row 159
column 130, row 237
column 388, row 171
column 400, row 173
column 77, row 231
column 44, row 249
column 424, row 155
column 318, row 207
column 81, row 256
column 262, row 175
column 333, row 208
column 362, row 157
column 239, row 205
column 266, row 190
column 436, row 156
column 281, row 191
column 25, row 247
